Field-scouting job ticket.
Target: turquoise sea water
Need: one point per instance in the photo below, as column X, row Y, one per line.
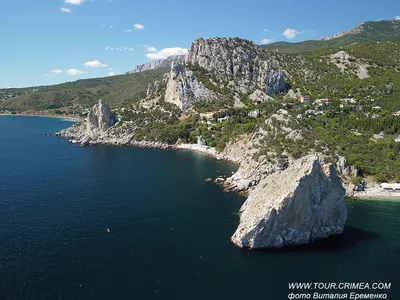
column 169, row 229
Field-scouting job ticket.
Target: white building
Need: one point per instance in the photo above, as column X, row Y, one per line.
column 224, row 119
column 254, row 113
column 390, row 186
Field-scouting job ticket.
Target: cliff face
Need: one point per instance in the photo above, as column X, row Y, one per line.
column 159, row 63
column 183, row 88
column 296, row 206
column 97, row 128
column 99, row 119
column 240, row 59
column 229, row 63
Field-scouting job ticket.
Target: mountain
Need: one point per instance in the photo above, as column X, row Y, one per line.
column 377, row 31
column 220, row 70
column 160, row 63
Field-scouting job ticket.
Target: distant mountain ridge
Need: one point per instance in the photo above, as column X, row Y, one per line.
column 378, row 31
column 159, row 63
column 358, row 29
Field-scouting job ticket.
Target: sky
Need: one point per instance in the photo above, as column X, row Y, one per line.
column 47, row 42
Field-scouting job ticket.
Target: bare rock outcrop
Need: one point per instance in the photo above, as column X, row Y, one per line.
column 251, row 66
column 97, row 127
column 296, row 206
column 183, row 88
column 216, row 64
column 344, row 62
column 100, row 119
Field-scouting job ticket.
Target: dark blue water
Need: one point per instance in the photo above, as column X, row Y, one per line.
column 170, row 230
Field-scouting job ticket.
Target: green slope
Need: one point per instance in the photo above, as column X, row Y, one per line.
column 116, row 91
column 379, row 31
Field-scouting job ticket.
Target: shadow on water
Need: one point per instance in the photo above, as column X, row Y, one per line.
column 351, row 237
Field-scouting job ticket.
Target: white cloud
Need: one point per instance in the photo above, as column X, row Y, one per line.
column 108, row 48
column 110, row 69
column 108, row 26
column 65, row 9
column 127, row 30
column 55, row 71
column 265, row 30
column 151, row 49
column 397, row 18
column 74, row 2
column 266, row 41
column 74, row 72
column 111, row 74
column 164, row 53
column 138, row 26
column 290, row 33
column 94, row 64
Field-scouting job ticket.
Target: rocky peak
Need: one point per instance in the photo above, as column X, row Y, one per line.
column 296, row 206
column 98, row 122
column 233, row 58
column 99, row 119
column 215, row 64
column 227, row 56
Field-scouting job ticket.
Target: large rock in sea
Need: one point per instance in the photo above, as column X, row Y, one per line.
column 296, row 206
column 96, row 128
column 99, row 119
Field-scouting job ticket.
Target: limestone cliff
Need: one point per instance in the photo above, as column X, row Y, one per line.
column 96, row 128
column 183, row 88
column 213, row 66
column 251, row 66
column 296, row 206
column 99, row 119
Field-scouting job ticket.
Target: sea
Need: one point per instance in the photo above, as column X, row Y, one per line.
column 108, row 222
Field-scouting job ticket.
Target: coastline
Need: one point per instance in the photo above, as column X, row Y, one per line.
column 209, row 151
column 77, row 135
column 64, row 117
column 374, row 198
column 374, row 191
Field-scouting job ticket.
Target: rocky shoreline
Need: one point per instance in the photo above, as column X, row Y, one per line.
column 373, row 191
column 237, row 152
column 209, row 151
